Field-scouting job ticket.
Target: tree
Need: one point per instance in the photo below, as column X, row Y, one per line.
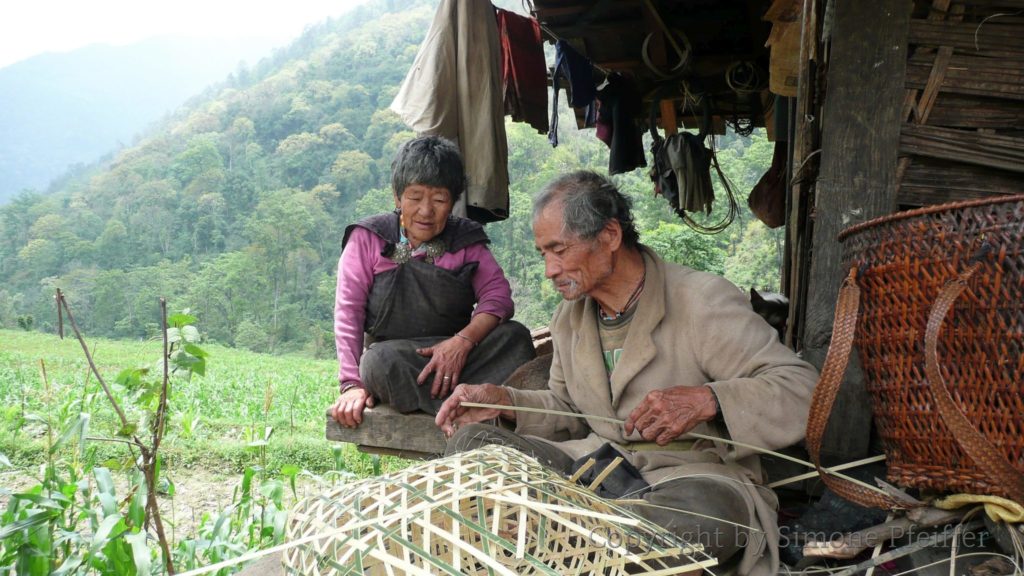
column 301, row 158
column 200, row 157
column 352, row 173
column 383, row 125
column 236, row 140
column 678, row 243
column 112, row 248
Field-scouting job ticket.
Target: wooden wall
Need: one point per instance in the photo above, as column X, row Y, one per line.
column 962, row 131
column 923, row 104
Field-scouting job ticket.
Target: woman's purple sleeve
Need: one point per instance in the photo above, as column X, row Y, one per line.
column 355, row 278
column 493, row 293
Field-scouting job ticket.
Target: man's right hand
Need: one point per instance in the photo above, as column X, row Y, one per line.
column 348, row 410
column 453, row 414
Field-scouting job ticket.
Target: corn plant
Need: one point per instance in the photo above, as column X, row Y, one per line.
column 62, row 526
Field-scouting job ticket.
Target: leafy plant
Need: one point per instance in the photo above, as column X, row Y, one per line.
column 61, row 526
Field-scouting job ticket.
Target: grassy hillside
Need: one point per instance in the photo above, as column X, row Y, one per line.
column 235, row 206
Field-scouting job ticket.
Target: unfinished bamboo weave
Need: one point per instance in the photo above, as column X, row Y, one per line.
column 906, row 263
column 489, row 511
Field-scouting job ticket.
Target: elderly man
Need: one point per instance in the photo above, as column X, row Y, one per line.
column 666, row 349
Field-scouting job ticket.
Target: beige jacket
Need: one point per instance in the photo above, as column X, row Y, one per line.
column 690, row 328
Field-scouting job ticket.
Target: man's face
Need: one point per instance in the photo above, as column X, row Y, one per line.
column 575, row 266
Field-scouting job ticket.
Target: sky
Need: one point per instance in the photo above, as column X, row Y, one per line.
column 32, row 27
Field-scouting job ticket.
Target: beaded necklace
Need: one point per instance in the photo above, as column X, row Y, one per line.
column 403, row 251
column 629, row 303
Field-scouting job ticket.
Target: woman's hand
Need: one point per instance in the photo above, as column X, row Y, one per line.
column 452, row 413
column 348, row 410
column 447, row 359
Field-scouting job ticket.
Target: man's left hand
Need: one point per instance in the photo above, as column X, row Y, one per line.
column 664, row 415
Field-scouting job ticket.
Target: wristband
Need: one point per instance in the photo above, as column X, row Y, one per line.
column 350, row 384
column 459, row 334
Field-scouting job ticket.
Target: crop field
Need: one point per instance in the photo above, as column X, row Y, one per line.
column 245, row 437
column 218, row 420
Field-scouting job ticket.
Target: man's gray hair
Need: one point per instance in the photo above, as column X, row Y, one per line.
column 589, row 201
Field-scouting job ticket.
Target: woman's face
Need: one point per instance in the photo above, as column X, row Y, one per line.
column 425, row 209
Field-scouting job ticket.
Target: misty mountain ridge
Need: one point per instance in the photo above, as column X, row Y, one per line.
column 61, row 109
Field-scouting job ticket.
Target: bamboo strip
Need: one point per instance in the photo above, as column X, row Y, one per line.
column 831, row 469
column 604, row 473
column 489, row 511
column 688, row 434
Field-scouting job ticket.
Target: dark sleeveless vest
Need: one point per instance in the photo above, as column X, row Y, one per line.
column 419, row 299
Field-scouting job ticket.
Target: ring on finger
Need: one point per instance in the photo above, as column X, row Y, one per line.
column 447, row 379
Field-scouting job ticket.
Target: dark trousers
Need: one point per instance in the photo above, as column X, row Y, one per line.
column 698, row 509
column 389, row 369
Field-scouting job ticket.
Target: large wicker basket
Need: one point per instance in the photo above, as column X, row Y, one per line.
column 940, row 335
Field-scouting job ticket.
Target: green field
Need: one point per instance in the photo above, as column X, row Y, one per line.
column 215, row 420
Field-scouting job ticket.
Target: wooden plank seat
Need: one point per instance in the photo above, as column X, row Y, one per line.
column 414, row 435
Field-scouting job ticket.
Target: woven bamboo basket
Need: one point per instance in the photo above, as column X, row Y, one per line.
column 940, row 335
column 490, row 511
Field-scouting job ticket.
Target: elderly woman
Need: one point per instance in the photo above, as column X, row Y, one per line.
column 427, row 292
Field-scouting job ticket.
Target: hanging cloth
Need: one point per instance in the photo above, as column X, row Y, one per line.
column 579, row 72
column 454, row 90
column 523, row 72
column 618, row 106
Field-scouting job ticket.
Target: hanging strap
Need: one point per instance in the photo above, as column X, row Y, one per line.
column 825, row 392
column 971, row 441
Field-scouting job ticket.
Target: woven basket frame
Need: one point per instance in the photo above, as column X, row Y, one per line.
column 904, row 261
column 489, row 511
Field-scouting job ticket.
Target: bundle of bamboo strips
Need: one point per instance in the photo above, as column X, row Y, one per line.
column 489, row 511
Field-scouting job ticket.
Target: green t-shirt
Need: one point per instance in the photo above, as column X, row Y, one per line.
column 613, row 337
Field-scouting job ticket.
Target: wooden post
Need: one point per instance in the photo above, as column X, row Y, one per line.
column 860, row 139
column 804, row 117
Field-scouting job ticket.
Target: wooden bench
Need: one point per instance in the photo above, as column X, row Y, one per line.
column 385, row 431
column 414, row 436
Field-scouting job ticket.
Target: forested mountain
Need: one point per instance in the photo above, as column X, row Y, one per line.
column 57, row 110
column 234, row 207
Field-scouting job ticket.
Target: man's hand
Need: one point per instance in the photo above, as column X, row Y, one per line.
column 664, row 415
column 348, row 409
column 447, row 358
column 452, row 413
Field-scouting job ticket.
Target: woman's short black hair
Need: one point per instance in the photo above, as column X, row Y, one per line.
column 430, row 161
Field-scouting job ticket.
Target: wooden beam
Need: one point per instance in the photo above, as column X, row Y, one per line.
column 668, row 117
column 956, row 111
column 968, row 146
column 974, row 76
column 384, row 428
column 993, row 39
column 857, row 182
column 804, row 118
column 658, row 54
